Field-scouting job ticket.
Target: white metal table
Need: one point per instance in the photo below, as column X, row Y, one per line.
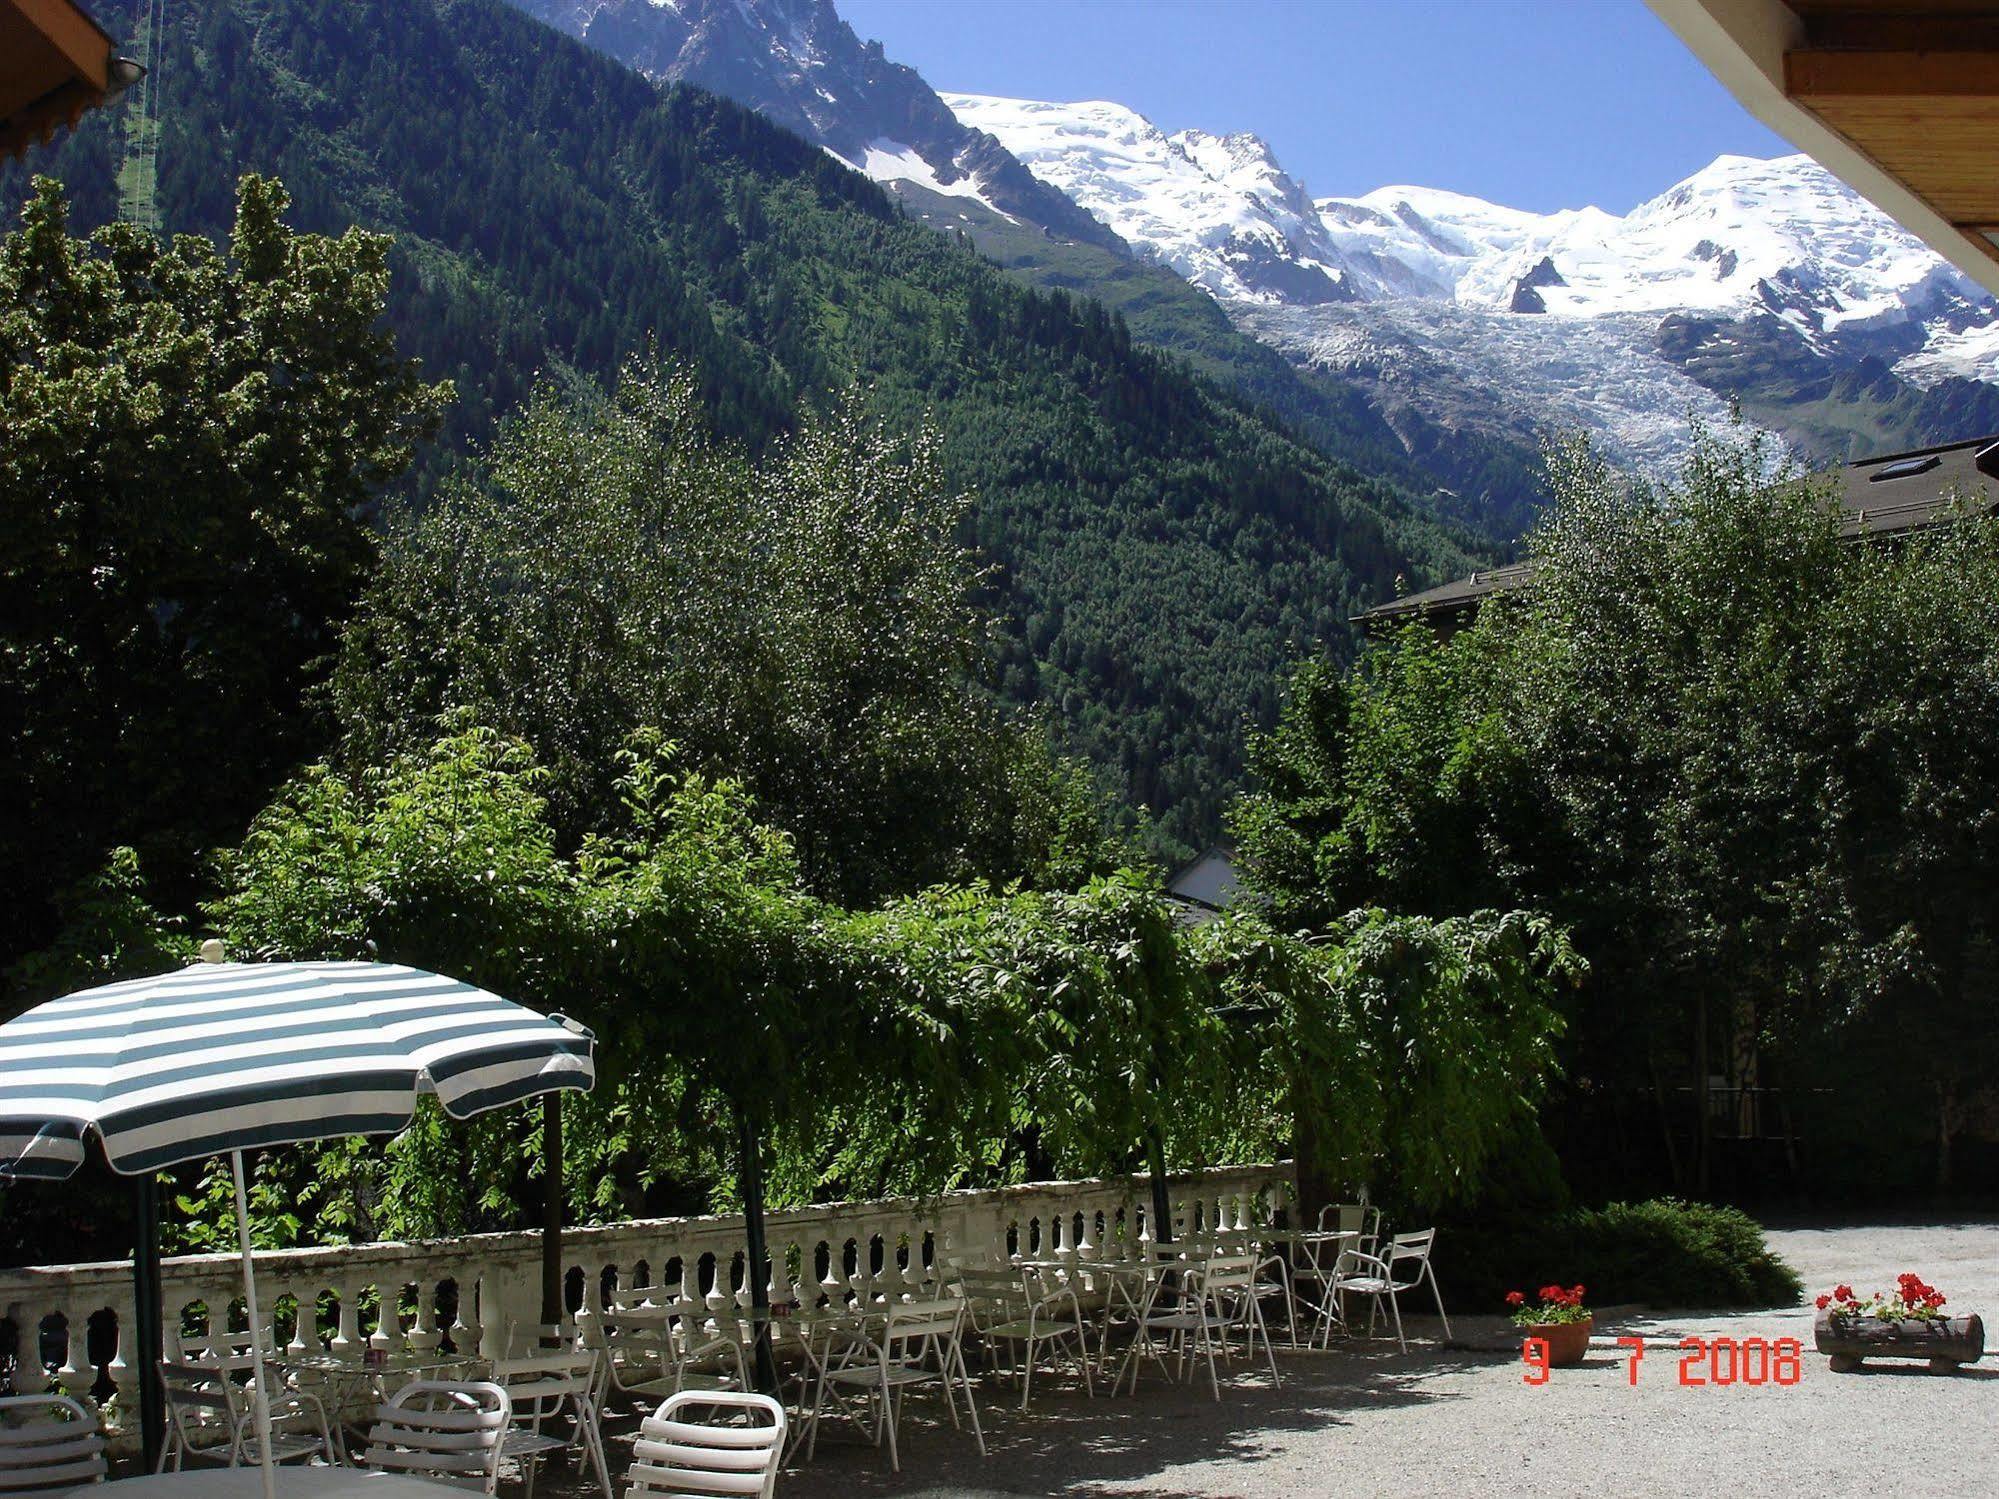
column 248, row 1483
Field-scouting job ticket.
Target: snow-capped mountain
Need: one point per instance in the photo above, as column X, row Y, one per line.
column 1468, row 329
column 797, row 62
column 1759, row 282
column 1216, row 208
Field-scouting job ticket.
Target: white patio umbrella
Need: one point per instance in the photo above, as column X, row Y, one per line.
column 228, row 1057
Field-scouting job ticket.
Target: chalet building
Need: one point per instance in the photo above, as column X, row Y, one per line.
column 1893, row 495
column 55, row 63
column 1206, row 887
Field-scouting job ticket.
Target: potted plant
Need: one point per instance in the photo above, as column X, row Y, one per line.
column 1909, row 1324
column 1559, row 1319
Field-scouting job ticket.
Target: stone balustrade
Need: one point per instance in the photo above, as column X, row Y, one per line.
column 483, row 1291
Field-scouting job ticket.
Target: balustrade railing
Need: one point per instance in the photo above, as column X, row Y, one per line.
column 69, row 1326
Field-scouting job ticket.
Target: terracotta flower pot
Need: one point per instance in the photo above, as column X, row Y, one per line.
column 1567, row 1341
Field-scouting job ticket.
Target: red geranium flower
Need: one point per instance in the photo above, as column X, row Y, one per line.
column 1824, row 1302
column 1514, row 1298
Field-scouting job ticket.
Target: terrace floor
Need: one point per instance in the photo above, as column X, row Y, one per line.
column 1364, row 1420
column 1367, row 1421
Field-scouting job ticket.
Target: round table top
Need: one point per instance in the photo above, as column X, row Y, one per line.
column 292, row 1483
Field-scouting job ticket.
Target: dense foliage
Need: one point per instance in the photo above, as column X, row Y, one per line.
column 965, row 1035
column 806, row 623
column 1742, row 756
column 1162, row 549
column 1662, row 1253
column 187, row 440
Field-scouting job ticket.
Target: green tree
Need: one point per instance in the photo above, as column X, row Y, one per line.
column 1393, row 1053
column 1734, row 750
column 806, row 624
column 188, row 443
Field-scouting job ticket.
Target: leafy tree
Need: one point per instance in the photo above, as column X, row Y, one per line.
column 1395, row 1053
column 1735, row 751
column 188, row 441
column 1164, row 546
column 806, row 623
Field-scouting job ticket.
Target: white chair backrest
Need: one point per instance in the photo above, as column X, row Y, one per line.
column 1411, row 1246
column 48, row 1442
column 442, row 1430
column 1002, row 1289
column 914, row 1325
column 203, row 1396
column 540, row 1384
column 737, row 1456
column 1228, row 1272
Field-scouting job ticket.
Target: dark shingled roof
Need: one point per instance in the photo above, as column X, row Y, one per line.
column 1883, row 496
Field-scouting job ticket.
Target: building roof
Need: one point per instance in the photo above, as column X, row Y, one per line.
column 1882, row 496
column 55, row 62
column 1899, row 99
column 1206, row 887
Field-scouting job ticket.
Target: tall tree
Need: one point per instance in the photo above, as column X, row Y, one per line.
column 189, row 440
column 807, row 623
column 1737, row 751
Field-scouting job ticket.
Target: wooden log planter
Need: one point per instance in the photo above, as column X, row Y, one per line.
column 1945, row 1342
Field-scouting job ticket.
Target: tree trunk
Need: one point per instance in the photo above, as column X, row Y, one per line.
column 1703, row 1126
column 551, row 1220
column 1162, row 1205
column 756, row 1269
column 1946, row 1127
column 1665, row 1112
column 1316, row 1188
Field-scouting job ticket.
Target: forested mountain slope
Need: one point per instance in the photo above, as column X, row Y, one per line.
column 1162, row 548
column 798, row 63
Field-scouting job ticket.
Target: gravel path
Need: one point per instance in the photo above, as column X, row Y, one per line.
column 1363, row 1421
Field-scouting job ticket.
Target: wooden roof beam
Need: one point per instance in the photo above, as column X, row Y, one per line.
column 1815, row 74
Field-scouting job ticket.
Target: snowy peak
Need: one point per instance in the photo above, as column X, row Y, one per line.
column 1217, row 209
column 1780, row 239
column 798, row 63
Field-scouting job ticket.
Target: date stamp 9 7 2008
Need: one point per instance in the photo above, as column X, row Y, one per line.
column 1705, row 1363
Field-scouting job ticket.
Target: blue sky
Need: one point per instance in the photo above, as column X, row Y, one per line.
column 1537, row 104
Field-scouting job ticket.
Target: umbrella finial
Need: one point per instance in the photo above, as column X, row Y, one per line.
column 212, row 951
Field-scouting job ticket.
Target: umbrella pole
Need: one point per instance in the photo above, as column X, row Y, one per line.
column 750, row 1177
column 148, row 1316
column 259, row 1400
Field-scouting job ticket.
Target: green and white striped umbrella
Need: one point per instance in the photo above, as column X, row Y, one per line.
column 225, row 1057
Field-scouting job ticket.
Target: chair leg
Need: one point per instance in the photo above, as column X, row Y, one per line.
column 1395, row 1310
column 891, row 1412
column 1438, row 1292
column 597, row 1456
column 971, row 1406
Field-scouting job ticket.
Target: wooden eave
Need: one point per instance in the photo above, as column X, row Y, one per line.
column 55, row 63
column 1898, row 98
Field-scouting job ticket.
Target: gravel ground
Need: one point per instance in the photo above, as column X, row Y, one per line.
column 1459, row 1420
column 1363, row 1420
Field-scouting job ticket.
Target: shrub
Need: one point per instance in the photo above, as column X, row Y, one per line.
column 1662, row 1253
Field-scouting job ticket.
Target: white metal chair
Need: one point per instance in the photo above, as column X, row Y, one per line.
column 1403, row 1265
column 48, row 1442
column 1197, row 1307
column 648, row 1352
column 1026, row 1313
column 737, row 1455
column 210, row 1417
column 922, row 1344
column 442, row 1430
column 549, row 1388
